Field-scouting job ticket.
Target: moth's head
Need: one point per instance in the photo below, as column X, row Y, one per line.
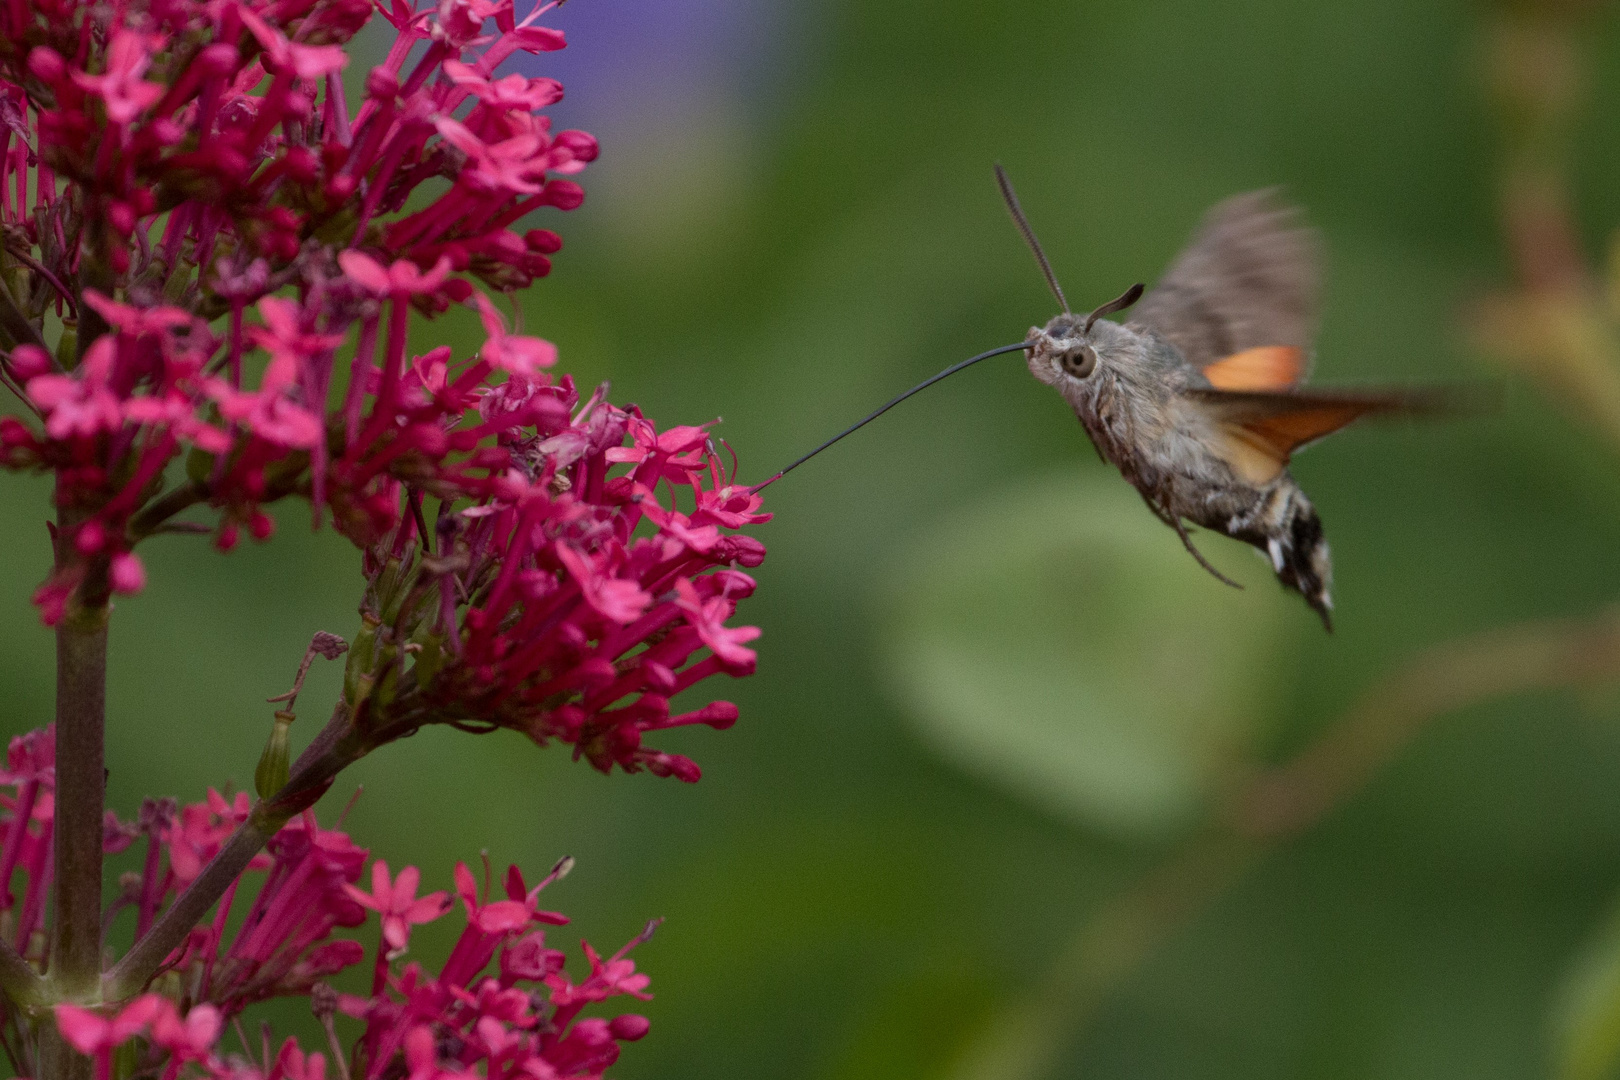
column 1070, row 350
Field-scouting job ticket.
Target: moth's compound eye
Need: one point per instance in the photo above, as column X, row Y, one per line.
column 1080, row 362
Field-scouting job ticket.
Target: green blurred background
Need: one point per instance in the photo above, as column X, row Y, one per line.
column 993, row 693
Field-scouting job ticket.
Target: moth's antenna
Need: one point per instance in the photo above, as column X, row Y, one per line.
column 925, row 384
column 1118, row 303
column 1029, row 234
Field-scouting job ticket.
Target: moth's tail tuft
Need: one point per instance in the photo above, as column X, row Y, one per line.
column 1299, row 552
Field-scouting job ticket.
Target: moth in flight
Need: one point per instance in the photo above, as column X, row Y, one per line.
column 1197, row 398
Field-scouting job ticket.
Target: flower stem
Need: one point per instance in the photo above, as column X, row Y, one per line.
column 81, row 699
column 334, row 749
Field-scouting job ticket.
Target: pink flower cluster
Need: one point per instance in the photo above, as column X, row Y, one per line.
column 169, row 163
column 225, row 240
column 209, row 264
column 573, row 601
column 501, row 1004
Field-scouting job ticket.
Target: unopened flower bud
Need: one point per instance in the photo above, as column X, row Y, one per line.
column 543, row 240
column 90, row 538
column 219, row 58
column 47, row 64
column 629, row 1027
column 28, row 361
column 563, row 194
column 382, row 83
column 581, row 144
column 126, row 574
column 121, row 216
column 271, row 775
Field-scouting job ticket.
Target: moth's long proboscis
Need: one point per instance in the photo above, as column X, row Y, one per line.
column 925, row 384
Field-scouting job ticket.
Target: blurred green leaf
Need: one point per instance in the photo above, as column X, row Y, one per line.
column 1057, row 640
column 1586, row 1014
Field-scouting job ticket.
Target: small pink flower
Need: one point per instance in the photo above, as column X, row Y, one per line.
column 91, row 1033
column 509, row 92
column 515, row 165
column 398, row 904
column 709, row 616
column 306, row 61
column 267, row 412
column 402, row 278
column 616, row 598
column 700, row 538
column 495, row 917
column 123, row 90
column 82, row 404
column 511, row 352
column 191, row 1038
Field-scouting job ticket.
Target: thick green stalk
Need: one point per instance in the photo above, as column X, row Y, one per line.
column 74, row 971
column 81, row 699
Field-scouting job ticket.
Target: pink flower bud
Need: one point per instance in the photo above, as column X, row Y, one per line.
column 382, row 83
column 126, row 574
column 563, row 194
column 46, row 63
column 121, row 216
column 28, row 361
column 629, row 1027
column 90, row 538
column 543, row 240
column 220, row 58
column 582, row 144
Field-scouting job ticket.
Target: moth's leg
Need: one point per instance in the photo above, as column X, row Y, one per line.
column 1181, row 531
column 1155, row 502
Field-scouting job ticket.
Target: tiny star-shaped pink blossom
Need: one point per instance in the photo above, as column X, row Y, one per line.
column 80, row 404
column 92, row 1033
column 511, row 352
column 515, row 164
column 619, row 599
column 708, row 618
column 125, row 94
column 398, row 903
column 508, row 92
column 305, row 61
column 402, row 277
column 191, row 1038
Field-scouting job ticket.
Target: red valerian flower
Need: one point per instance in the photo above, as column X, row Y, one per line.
column 502, row 1003
column 397, row 903
column 197, row 182
column 568, row 602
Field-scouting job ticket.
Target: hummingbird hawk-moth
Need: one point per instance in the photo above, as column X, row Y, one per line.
column 1197, row 399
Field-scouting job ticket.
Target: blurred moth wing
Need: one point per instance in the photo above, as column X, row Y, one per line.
column 1260, row 431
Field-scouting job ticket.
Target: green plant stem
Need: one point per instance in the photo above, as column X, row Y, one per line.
column 334, row 749
column 171, row 503
column 81, row 700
